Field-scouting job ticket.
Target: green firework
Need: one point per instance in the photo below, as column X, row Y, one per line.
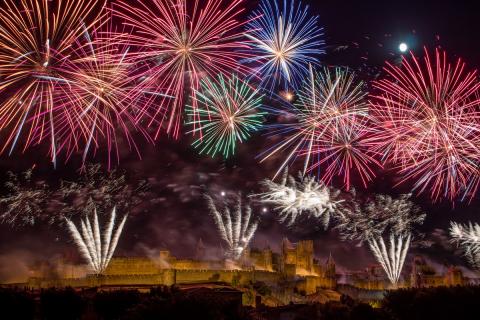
column 226, row 112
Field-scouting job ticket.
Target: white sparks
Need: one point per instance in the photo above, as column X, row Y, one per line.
column 468, row 238
column 293, row 198
column 386, row 224
column 89, row 242
column 236, row 227
column 391, row 256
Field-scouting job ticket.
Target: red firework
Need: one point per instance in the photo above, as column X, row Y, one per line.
column 344, row 151
column 97, row 97
column 331, row 129
column 35, row 35
column 179, row 42
column 429, row 124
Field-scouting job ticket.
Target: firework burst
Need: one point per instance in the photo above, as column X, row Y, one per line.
column 331, row 128
column 236, row 226
column 35, row 36
column 96, row 252
column 98, row 97
column 386, row 224
column 97, row 189
column 427, row 112
column 285, row 40
column 180, row 42
column 468, row 238
column 25, row 201
column 293, row 198
column 228, row 112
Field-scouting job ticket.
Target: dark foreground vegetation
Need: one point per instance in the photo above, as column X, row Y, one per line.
column 202, row 303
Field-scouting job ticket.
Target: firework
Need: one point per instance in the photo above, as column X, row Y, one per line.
column 468, row 238
column 25, row 200
column 331, row 129
column 96, row 189
column 98, row 98
column 35, row 36
column 89, row 240
column 179, row 43
column 386, row 224
column 236, row 226
column 293, row 198
column 427, row 112
column 227, row 114
column 285, row 40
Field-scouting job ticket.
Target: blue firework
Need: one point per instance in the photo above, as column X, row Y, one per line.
column 285, row 40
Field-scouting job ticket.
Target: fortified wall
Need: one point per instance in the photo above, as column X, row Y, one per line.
column 295, row 264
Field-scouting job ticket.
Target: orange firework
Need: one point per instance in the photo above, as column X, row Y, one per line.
column 35, row 35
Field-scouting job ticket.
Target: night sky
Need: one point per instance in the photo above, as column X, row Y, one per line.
column 175, row 217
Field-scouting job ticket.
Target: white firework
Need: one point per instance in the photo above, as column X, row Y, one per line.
column 236, row 227
column 293, row 198
column 89, row 240
column 468, row 238
column 386, row 224
column 391, row 255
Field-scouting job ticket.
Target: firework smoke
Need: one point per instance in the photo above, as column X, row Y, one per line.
column 89, row 241
column 235, row 225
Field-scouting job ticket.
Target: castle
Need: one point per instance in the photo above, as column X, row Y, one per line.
column 291, row 274
column 295, row 266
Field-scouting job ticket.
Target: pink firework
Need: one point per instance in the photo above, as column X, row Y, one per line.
column 97, row 98
column 35, row 35
column 429, row 124
column 344, row 151
column 331, row 131
column 178, row 43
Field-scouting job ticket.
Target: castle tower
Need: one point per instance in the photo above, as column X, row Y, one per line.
column 200, row 250
column 305, row 256
column 330, row 267
column 416, row 274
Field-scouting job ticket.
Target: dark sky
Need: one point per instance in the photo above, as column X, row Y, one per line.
column 178, row 217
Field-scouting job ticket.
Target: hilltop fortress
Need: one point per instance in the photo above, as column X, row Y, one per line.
column 295, row 265
column 291, row 274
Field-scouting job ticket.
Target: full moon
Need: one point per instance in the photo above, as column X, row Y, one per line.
column 403, row 47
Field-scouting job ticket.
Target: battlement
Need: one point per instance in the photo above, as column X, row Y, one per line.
column 294, row 264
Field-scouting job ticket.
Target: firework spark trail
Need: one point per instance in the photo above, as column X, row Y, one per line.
column 391, row 260
column 236, row 228
column 97, row 188
column 89, row 240
column 331, row 128
column 386, row 224
column 34, row 37
column 285, row 40
column 227, row 113
column 468, row 238
column 98, row 99
column 427, row 112
column 25, row 201
column 293, row 198
column 180, row 42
